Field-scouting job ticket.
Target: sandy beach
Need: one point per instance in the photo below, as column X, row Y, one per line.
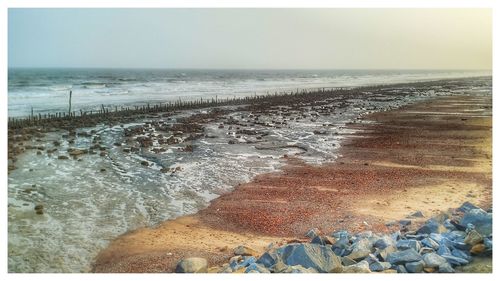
column 428, row 156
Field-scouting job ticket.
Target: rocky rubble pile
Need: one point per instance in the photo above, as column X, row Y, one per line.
column 441, row 244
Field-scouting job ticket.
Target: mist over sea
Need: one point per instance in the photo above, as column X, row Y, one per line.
column 46, row 90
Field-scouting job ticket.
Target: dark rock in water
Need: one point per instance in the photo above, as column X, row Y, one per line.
column 321, row 258
column 192, row 265
column 403, row 257
column 145, row 163
column 467, row 206
column 361, row 249
column 409, row 244
column 433, row 260
column 460, row 254
column 415, row 267
column 455, row 260
column 431, row 226
column 62, row 157
column 384, row 242
column 480, row 219
column 39, row 209
column 268, row 259
column 446, row 268
column 428, row 242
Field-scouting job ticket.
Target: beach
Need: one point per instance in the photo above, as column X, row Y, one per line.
column 427, row 156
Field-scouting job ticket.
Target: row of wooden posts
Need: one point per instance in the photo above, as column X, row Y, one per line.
column 40, row 119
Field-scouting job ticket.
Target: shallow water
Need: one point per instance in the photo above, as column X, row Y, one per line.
column 85, row 208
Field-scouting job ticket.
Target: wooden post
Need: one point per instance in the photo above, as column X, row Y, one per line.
column 70, row 94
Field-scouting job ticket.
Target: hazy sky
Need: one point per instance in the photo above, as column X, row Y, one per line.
column 251, row 38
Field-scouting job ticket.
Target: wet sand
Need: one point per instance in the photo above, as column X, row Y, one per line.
column 429, row 156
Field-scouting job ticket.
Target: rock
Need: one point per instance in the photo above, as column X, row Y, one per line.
column 477, row 249
column 446, row 268
column 428, row 242
column 145, row 163
column 361, row 249
column 429, row 269
column 278, row 267
column 321, row 258
column 385, row 252
column 403, row 257
column 313, row 233
column 480, row 219
column 341, row 247
column 346, row 261
column 473, row 238
column 425, row 250
column 244, row 251
column 341, row 234
column 455, row 260
column 258, row 268
column 433, row 260
column 415, row 267
column 443, row 250
column 405, row 222
column 467, row 206
column 409, row 244
column 192, row 265
column 76, row 152
column 62, row 157
column 431, row 226
column 329, row 240
column 268, row 259
column 318, row 240
column 417, row 214
column 401, row 269
column 298, row 269
column 384, row 242
column 379, row 266
column 460, row 254
column 360, row 267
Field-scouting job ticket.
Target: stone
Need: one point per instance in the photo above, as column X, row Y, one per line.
column 477, row 249
column 415, row 267
column 417, row 214
column 341, row 247
column 405, row 222
column 430, row 243
column 192, row 265
column 341, row 234
column 460, row 254
column 321, row 258
column 425, row 250
column 244, row 251
column 360, row 267
column 268, row 259
column 384, row 242
column 455, row 260
column 408, row 244
column 467, row 206
column 401, row 269
column 433, row 260
column 403, row 257
column 446, row 268
column 318, row 240
column 480, row 219
column 346, row 261
column 443, row 250
column 429, row 269
column 361, row 249
column 385, row 252
column 431, row 226
column 379, row 266
column 258, row 268
column 76, row 152
column 473, row 238
column 298, row 269
column 313, row 233
column 62, row 157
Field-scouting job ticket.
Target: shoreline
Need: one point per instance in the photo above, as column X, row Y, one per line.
column 380, row 159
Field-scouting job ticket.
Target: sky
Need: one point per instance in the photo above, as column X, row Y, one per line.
column 251, row 38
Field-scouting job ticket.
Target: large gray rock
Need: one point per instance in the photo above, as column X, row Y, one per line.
column 258, row 268
column 361, row 249
column 403, row 257
column 360, row 267
column 415, row 267
column 192, row 265
column 455, row 260
column 480, row 219
column 446, row 268
column 431, row 226
column 379, row 266
column 433, row 260
column 321, row 258
column 298, row 269
column 430, row 243
column 268, row 259
column 409, row 244
column 384, row 242
column 385, row 252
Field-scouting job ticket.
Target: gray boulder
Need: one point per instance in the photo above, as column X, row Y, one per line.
column 268, row 259
column 403, row 257
column 360, row 267
column 379, row 266
column 313, row 233
column 455, row 260
column 361, row 249
column 321, row 258
column 431, row 226
column 415, row 267
column 446, row 268
column 480, row 219
column 409, row 244
column 430, row 243
column 384, row 242
column 433, row 260
column 257, row 268
column 443, row 250
column 192, row 265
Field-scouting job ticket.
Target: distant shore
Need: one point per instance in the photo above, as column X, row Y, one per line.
column 428, row 157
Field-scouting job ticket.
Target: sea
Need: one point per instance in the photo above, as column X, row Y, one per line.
column 90, row 201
